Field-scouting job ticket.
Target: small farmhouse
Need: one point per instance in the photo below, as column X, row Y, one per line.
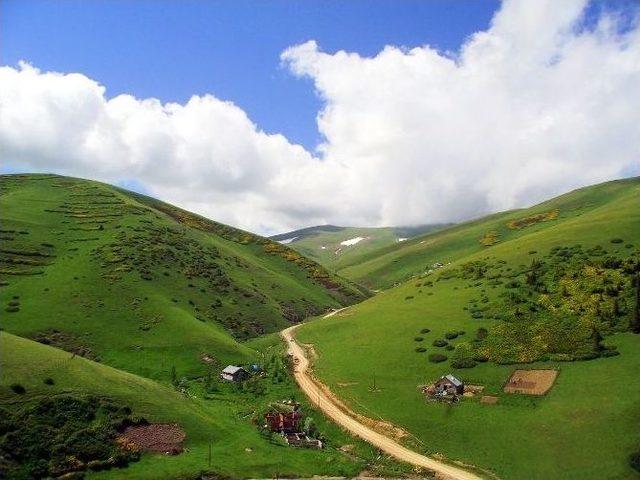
column 449, row 385
column 231, row 373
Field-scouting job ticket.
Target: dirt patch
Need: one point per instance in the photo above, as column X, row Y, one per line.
column 164, row 438
column 531, row 382
column 489, row 400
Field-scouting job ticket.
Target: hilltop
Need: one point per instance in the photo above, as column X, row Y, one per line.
column 339, row 247
column 554, row 287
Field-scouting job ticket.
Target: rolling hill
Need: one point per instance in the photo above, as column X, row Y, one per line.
column 142, row 285
column 117, row 302
column 339, row 247
column 551, row 287
column 384, row 267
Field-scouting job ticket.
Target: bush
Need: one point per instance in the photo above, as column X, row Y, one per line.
column 449, row 347
column 461, row 332
column 451, row 335
column 480, row 358
column 634, row 461
column 463, row 363
column 421, row 349
column 616, row 240
column 409, row 297
column 482, row 333
column 440, row 343
column 425, row 330
column 419, row 339
column 17, row 388
column 437, row 358
column 12, row 309
column 48, row 381
column 609, row 353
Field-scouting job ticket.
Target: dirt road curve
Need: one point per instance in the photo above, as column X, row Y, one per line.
column 384, row 443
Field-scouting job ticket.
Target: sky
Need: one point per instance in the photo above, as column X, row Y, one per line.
column 282, row 115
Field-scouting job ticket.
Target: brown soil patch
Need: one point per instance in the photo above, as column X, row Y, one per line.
column 531, row 382
column 489, row 400
column 164, row 438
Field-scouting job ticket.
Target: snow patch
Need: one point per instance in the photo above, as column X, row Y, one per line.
column 401, row 239
column 288, row 240
column 351, row 241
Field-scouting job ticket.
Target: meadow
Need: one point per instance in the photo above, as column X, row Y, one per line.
column 585, row 427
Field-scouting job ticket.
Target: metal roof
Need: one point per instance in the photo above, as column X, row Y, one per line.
column 453, row 380
column 231, row 369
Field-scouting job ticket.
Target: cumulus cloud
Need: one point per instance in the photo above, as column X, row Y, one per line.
column 537, row 104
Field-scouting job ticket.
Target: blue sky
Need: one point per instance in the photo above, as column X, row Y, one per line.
column 475, row 107
column 174, row 49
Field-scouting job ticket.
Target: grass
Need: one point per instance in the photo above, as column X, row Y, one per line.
column 225, row 420
column 586, row 427
column 151, row 287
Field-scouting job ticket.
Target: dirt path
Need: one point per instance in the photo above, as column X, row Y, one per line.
column 317, row 396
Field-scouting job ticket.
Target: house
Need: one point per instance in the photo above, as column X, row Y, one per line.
column 283, row 422
column 231, row 373
column 449, row 385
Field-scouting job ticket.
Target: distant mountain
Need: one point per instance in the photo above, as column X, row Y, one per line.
column 337, row 247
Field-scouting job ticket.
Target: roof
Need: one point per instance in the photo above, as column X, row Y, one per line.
column 231, row 369
column 452, row 379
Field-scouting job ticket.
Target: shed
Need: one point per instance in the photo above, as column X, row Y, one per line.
column 233, row 373
column 450, row 385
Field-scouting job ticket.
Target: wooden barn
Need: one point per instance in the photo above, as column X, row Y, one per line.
column 449, row 385
column 232, row 373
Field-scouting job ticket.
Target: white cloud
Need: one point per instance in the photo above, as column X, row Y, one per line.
column 531, row 107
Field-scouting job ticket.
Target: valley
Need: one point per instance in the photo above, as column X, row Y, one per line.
column 117, row 300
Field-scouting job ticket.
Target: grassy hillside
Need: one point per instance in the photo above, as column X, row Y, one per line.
column 555, row 287
column 338, row 247
column 223, row 419
column 141, row 285
column 382, row 268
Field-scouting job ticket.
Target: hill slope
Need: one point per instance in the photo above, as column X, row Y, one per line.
column 142, row 285
column 338, row 247
column 548, row 294
column 385, row 267
column 238, row 449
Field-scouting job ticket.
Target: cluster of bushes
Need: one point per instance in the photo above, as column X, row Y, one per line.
column 65, row 434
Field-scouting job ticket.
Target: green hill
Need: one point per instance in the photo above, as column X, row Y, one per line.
column 339, row 247
column 551, row 287
column 382, row 268
column 224, row 419
column 141, row 285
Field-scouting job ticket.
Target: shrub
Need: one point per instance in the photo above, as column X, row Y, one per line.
column 634, row 461
column 609, row 353
column 421, row 349
column 478, row 357
column 17, row 388
column 437, row 358
column 425, row 330
column 12, row 309
column 451, row 335
column 482, row 333
column 463, row 363
column 440, row 343
column 616, row 240
column 48, row 381
column 449, row 347
column 409, row 297
column 14, row 303
column 419, row 339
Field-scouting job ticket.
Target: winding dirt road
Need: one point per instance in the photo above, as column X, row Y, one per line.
column 384, row 443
